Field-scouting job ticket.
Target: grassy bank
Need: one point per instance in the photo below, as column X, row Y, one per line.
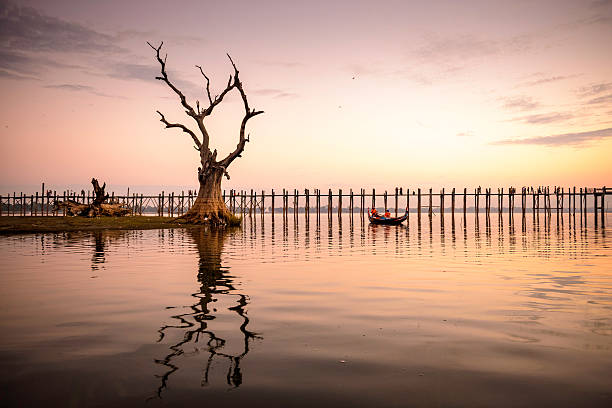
column 20, row 225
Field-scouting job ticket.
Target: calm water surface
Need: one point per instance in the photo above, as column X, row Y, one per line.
column 284, row 314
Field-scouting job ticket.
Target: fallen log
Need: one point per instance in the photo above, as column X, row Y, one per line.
column 99, row 207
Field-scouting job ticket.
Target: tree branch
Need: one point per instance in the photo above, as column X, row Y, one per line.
column 164, row 77
column 183, row 127
column 248, row 114
column 208, row 158
column 197, row 116
column 232, row 83
column 207, row 84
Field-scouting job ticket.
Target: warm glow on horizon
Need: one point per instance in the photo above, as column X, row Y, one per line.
column 355, row 94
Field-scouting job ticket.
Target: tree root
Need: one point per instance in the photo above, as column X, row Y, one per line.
column 203, row 213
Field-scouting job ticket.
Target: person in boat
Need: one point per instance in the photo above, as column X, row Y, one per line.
column 374, row 212
column 387, row 214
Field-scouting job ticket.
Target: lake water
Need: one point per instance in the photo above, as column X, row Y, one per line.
column 510, row 314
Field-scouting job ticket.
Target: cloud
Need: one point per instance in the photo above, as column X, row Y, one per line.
column 600, row 100
column 274, row 93
column 142, row 36
column 142, row 72
column 601, row 3
column 440, row 50
column 519, row 103
column 439, row 58
column 547, row 80
column 544, row 118
column 468, row 133
column 282, row 64
column 11, row 75
column 456, row 50
column 30, row 41
column 72, row 87
column 26, row 64
column 565, row 139
column 594, row 89
column 25, row 29
column 81, row 88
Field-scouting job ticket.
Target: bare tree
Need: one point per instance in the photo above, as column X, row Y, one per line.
column 209, row 206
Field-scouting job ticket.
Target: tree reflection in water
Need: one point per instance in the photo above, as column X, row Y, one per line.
column 215, row 282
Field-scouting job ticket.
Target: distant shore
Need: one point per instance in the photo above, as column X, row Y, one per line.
column 24, row 225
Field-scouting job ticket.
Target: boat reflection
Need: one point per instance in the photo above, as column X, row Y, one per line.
column 193, row 327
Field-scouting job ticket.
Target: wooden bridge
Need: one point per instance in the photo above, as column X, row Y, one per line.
column 583, row 200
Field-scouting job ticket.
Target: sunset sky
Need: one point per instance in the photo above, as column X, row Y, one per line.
column 356, row 94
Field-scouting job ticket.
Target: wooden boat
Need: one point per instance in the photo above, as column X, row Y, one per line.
column 387, row 221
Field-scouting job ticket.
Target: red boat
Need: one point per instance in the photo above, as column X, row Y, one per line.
column 387, row 221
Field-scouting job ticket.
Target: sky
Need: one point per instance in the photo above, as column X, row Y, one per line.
column 355, row 94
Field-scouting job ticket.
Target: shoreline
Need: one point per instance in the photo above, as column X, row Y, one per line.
column 41, row 224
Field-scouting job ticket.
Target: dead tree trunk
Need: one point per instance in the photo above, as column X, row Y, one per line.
column 209, row 206
column 97, row 208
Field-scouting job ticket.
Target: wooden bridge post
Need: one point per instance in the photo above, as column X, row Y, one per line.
column 419, row 203
column 549, row 204
column 464, row 202
column 442, row 202
column 307, row 204
column 586, row 203
column 234, row 205
column 286, row 197
column 385, row 200
column 251, row 204
column 603, row 205
column 430, row 203
column 408, row 206
column 351, row 203
column 161, row 204
column 329, row 204
column 339, row 203
column 254, row 203
column 362, row 202
column 396, row 190
column 373, row 198
column 284, row 201
column 477, row 200
column 408, row 200
column 172, row 206
column 453, row 202
column 595, row 205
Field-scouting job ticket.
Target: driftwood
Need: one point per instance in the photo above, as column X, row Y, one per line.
column 97, row 208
